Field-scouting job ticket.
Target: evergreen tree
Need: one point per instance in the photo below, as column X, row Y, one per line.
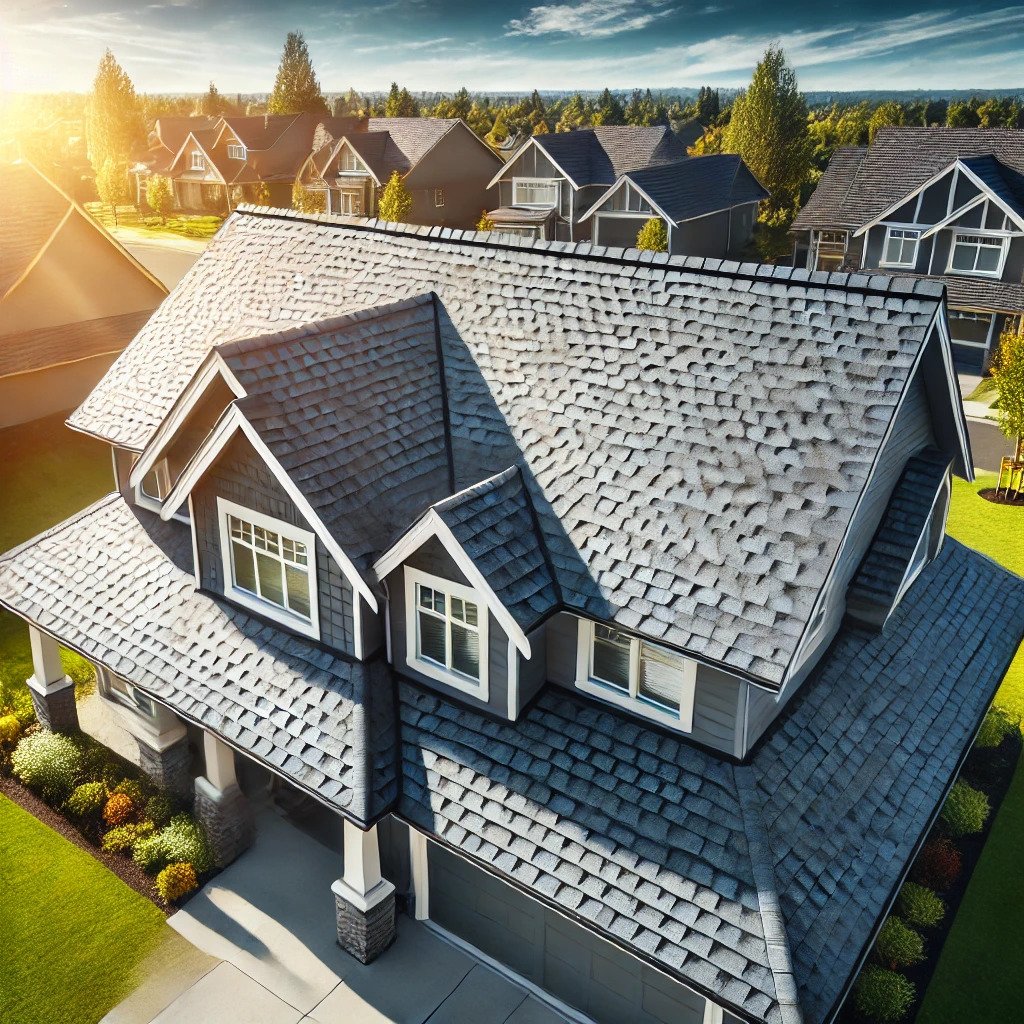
column 576, row 114
column 480, row 119
column 961, row 114
column 112, row 185
column 768, row 128
column 885, row 115
column 708, row 106
column 484, row 223
column 113, row 126
column 934, row 113
column 400, row 103
column 609, row 109
column 296, row 88
column 160, row 196
column 349, row 105
column 499, row 131
column 212, row 104
column 395, row 203
column 653, row 236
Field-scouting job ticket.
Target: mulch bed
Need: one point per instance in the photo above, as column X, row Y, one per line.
column 992, row 772
column 124, row 867
column 989, row 494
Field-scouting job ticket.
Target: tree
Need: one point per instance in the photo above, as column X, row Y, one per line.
column 160, row 196
column 211, row 103
column 499, row 131
column 709, row 143
column 708, row 106
column 114, row 128
column 961, row 114
column 576, row 114
column 485, row 223
column 349, row 105
column 885, row 115
column 307, row 200
column 609, row 109
column 395, row 202
column 112, row 185
column 1008, row 374
column 653, row 236
column 261, row 194
column 768, row 129
column 400, row 103
column 296, row 88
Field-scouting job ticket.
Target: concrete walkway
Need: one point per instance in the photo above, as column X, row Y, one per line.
column 266, row 923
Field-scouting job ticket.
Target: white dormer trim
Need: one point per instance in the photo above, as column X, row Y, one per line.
column 210, row 165
column 625, row 179
column 532, row 141
column 343, row 143
column 432, row 525
column 956, row 215
column 916, row 564
column 232, row 422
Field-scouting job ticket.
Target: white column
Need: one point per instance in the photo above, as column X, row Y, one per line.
column 47, row 671
column 220, row 762
column 362, row 884
column 420, row 877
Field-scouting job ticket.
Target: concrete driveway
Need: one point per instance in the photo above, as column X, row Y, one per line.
column 264, row 929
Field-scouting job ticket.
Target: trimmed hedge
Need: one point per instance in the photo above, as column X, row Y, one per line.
column 883, row 996
column 995, row 728
column 898, row 945
column 48, row 763
column 175, row 881
column 919, row 906
column 966, row 810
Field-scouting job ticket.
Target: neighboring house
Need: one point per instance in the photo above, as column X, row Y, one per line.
column 550, row 183
column 164, row 144
column 444, row 165
column 71, row 297
column 945, row 203
column 708, row 205
column 605, row 598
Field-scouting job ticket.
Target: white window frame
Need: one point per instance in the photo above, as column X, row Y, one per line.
column 416, row 577
column 155, row 502
column 438, row 197
column 968, row 314
column 633, row 702
column 926, row 548
column 984, row 240
column 236, row 151
column 119, row 691
column 350, row 154
column 350, row 199
column 198, row 161
column 555, row 182
column 831, row 252
column 308, row 627
column 517, row 230
column 909, row 234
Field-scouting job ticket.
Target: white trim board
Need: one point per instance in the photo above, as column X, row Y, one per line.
column 532, row 141
column 625, row 179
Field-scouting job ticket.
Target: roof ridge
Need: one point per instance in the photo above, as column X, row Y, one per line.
column 855, row 281
column 473, row 490
column 780, row 957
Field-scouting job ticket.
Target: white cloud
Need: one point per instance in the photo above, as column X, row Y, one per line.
column 413, row 44
column 593, row 19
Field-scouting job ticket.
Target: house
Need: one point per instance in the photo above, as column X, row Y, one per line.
column 549, row 184
column 604, row 596
column 443, row 163
column 71, row 297
column 708, row 205
column 942, row 203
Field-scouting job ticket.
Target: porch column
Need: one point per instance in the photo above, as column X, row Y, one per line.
column 364, row 901
column 53, row 693
column 221, row 806
column 163, row 750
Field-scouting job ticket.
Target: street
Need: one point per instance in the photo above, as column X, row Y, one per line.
column 987, row 444
column 167, row 262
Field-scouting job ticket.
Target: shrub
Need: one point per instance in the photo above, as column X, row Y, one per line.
column 124, row 838
column 920, row 906
column 10, row 730
column 966, row 810
column 159, row 809
column 148, row 853
column 898, row 945
column 131, row 789
column 87, row 800
column 15, row 697
column 183, row 840
column 884, row 996
column 118, row 810
column 994, row 729
column 100, row 764
column 48, row 763
column 938, row 865
column 175, row 881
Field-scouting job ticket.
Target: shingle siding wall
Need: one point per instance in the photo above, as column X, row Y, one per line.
column 240, row 475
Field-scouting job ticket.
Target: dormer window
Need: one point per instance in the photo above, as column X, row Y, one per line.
column 236, row 151
column 538, row 193
column 977, row 254
column 198, row 161
column 633, row 673
column 446, row 626
column 269, row 567
column 900, row 247
column 349, row 163
column 155, row 486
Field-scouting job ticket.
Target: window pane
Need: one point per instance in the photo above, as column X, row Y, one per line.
column 471, row 614
column 465, row 651
column 245, row 571
column 988, row 258
column 611, row 657
column 439, row 602
column 431, row 638
column 661, row 676
column 298, row 590
column 892, row 250
column 426, row 597
column 963, row 257
column 271, row 587
column 457, row 612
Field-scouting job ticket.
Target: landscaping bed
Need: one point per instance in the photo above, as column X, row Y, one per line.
column 989, row 494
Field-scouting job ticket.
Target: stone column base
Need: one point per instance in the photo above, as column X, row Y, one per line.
column 365, row 933
column 168, row 766
column 227, row 818
column 54, row 704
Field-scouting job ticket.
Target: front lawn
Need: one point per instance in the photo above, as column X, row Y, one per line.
column 980, row 972
column 73, row 934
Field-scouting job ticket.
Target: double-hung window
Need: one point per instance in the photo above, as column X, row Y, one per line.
column 198, row 161
column 349, row 163
column 628, row 671
column 541, row 193
column 236, row 151
column 439, row 197
column 977, row 254
column 446, row 632
column 269, row 567
column 351, row 203
column 900, row 247
column 830, row 249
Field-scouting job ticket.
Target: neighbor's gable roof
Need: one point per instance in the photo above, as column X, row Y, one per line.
column 695, row 435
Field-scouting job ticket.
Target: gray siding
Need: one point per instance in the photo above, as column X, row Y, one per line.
column 533, row 673
column 534, row 164
column 553, row 952
column 431, row 557
column 240, row 475
column 706, row 236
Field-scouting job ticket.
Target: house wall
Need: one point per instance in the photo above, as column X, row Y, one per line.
column 240, row 475
column 431, row 557
column 705, row 236
column 27, row 396
column 80, row 275
column 534, row 164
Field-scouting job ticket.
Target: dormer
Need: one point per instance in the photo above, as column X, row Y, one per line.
column 349, row 162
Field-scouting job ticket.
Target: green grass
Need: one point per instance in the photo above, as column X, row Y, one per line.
column 73, row 934
column 48, row 473
column 202, row 226
column 980, row 972
column 983, row 391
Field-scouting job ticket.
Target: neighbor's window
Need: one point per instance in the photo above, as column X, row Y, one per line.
column 634, row 673
column 351, row 203
column 539, row 192
column 829, row 249
column 439, row 197
column 447, row 632
column 198, row 162
column 977, row 254
column 269, row 566
column 350, row 163
column 900, row 247
column 235, row 151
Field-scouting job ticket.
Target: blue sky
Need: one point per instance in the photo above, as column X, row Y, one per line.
column 178, row 46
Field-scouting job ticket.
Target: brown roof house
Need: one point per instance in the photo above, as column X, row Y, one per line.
column 603, row 596
column 71, row 297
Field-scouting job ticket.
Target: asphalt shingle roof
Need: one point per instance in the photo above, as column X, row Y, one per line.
column 598, row 156
column 694, row 434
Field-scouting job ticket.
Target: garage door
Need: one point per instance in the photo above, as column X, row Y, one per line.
column 560, row 956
